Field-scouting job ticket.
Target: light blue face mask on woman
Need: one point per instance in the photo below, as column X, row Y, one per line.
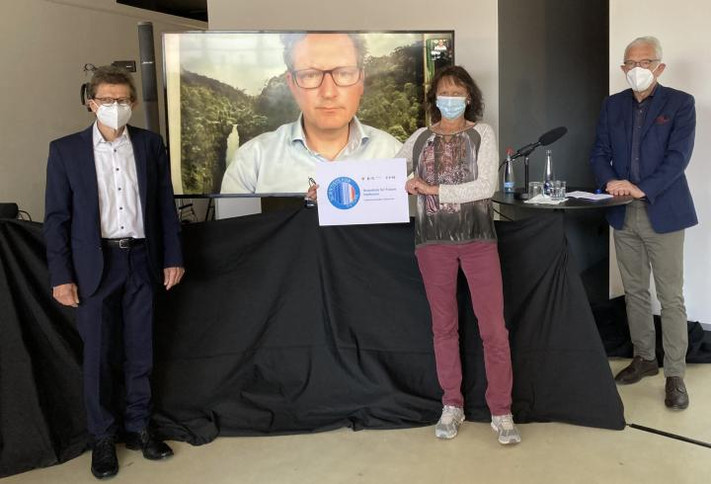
column 451, row 107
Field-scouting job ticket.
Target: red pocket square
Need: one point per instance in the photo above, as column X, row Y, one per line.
column 662, row 119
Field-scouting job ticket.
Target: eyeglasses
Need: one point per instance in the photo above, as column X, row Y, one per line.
column 644, row 63
column 108, row 101
column 313, row 78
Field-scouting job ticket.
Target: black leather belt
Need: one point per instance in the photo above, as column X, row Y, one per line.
column 126, row 244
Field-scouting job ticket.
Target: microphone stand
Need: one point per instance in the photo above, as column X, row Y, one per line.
column 545, row 139
column 524, row 194
column 526, row 154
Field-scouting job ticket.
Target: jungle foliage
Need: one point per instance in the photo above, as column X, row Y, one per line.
column 213, row 112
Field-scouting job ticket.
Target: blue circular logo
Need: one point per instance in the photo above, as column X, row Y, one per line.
column 343, row 193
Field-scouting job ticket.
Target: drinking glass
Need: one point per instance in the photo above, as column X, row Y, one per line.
column 535, row 188
column 558, row 189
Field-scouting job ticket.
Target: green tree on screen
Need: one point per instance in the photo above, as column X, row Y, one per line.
column 212, row 111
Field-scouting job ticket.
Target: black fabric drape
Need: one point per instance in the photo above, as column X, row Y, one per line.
column 42, row 418
column 281, row 326
column 611, row 320
column 558, row 358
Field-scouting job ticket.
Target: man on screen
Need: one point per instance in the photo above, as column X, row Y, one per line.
column 325, row 76
column 645, row 137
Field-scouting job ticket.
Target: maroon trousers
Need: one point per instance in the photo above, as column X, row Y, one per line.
column 439, row 264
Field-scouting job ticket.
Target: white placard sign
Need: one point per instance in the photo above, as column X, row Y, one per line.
column 362, row 192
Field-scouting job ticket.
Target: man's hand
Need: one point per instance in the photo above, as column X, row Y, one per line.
column 172, row 276
column 66, row 294
column 621, row 188
column 311, row 194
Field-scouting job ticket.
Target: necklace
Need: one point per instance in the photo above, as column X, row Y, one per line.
column 437, row 129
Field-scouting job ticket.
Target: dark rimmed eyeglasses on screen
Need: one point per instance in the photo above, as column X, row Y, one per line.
column 313, row 78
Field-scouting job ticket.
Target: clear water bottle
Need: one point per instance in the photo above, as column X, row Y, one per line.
column 548, row 176
column 509, row 182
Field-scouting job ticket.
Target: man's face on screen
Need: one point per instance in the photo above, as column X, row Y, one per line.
column 329, row 107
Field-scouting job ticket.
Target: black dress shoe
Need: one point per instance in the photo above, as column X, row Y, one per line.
column 637, row 370
column 152, row 448
column 676, row 395
column 103, row 458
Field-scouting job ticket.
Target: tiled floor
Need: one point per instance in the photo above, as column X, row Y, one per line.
column 549, row 453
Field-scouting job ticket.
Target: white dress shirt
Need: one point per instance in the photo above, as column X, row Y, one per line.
column 119, row 200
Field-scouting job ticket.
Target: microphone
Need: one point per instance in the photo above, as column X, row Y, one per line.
column 545, row 139
column 552, row 136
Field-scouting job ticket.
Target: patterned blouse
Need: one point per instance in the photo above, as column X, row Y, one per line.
column 465, row 166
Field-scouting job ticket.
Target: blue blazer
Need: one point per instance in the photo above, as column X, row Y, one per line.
column 72, row 224
column 665, row 149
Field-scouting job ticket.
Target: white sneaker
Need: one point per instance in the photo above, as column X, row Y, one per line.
column 504, row 425
column 449, row 422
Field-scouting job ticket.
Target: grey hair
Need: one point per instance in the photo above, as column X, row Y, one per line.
column 646, row 40
column 111, row 75
column 291, row 39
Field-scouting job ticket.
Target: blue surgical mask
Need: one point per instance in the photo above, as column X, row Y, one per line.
column 451, row 107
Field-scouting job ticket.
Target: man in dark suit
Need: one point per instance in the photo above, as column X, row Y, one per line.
column 112, row 232
column 645, row 137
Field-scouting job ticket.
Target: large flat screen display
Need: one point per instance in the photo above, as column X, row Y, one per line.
column 250, row 113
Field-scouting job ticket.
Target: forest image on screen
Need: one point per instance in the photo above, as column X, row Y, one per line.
column 223, row 89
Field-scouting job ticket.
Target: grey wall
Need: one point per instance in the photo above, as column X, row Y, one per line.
column 682, row 28
column 45, row 44
column 553, row 71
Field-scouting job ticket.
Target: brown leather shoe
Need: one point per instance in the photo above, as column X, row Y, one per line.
column 676, row 395
column 637, row 370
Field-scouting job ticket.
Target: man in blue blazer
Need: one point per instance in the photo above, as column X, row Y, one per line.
column 112, row 232
column 645, row 136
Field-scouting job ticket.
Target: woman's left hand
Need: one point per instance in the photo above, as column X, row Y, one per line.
column 417, row 186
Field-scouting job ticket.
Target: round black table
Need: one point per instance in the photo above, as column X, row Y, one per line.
column 586, row 231
column 570, row 204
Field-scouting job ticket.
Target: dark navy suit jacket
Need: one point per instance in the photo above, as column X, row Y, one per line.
column 667, row 141
column 72, row 224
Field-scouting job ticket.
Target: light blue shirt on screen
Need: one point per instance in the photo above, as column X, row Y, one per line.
column 281, row 162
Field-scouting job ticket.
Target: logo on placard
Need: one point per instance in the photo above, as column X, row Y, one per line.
column 343, row 193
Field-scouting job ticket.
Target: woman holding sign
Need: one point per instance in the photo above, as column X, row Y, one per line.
column 455, row 173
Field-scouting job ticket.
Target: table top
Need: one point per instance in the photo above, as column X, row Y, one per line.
column 570, row 204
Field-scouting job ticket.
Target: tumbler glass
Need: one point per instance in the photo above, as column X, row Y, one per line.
column 558, row 190
column 535, row 188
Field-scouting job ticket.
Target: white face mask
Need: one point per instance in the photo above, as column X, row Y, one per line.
column 640, row 78
column 114, row 116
